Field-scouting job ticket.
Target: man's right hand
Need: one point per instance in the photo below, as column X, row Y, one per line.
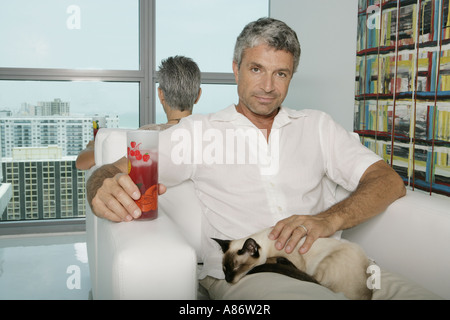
column 115, row 198
column 111, row 193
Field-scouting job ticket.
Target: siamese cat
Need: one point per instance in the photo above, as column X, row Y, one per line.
column 338, row 265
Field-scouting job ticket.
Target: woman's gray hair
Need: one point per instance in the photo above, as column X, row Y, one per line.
column 179, row 79
column 272, row 32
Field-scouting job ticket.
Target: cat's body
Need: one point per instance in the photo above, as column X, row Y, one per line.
column 338, row 265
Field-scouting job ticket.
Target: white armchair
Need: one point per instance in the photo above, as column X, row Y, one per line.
column 143, row 259
column 158, row 259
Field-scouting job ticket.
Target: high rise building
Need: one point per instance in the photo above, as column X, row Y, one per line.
column 42, row 189
column 70, row 133
column 50, row 108
column 38, row 163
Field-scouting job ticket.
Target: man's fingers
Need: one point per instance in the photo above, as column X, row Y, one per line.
column 161, row 189
column 99, row 206
column 286, row 235
column 128, row 194
column 296, row 236
column 127, row 184
column 307, row 244
column 275, row 233
column 119, row 195
column 281, row 232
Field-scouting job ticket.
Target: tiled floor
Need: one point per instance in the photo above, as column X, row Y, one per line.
column 44, row 267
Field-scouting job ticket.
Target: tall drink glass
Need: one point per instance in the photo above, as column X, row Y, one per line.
column 142, row 153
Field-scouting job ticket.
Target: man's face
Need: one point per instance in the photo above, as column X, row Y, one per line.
column 263, row 79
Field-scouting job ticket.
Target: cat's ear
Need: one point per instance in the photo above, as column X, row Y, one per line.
column 224, row 244
column 251, row 247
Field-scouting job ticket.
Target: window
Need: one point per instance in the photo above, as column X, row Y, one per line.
column 79, row 34
column 68, row 63
column 205, row 31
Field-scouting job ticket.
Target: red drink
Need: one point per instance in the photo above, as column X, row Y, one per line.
column 143, row 170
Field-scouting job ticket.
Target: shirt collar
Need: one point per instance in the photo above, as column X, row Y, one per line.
column 284, row 116
column 228, row 114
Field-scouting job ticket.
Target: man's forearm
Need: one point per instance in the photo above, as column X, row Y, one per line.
column 378, row 188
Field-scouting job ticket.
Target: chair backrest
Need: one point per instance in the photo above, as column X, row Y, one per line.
column 110, row 145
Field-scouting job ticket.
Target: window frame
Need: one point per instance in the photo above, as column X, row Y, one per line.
column 146, row 76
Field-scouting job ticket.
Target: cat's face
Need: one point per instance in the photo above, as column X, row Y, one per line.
column 239, row 258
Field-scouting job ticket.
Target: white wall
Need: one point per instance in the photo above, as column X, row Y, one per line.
column 325, row 79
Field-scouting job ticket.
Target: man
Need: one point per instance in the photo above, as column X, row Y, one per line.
column 287, row 178
column 179, row 89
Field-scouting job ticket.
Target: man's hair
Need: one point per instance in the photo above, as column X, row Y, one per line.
column 272, row 32
column 179, row 79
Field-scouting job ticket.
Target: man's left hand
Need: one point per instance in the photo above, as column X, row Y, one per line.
column 288, row 232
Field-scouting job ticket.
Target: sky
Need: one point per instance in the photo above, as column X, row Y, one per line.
column 103, row 34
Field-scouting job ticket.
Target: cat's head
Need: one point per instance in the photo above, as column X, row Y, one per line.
column 239, row 257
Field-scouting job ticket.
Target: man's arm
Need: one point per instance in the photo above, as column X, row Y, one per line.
column 378, row 187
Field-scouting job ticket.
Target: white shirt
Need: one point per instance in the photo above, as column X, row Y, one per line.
column 246, row 183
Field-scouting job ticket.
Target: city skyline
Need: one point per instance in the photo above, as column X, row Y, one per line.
column 87, row 98
column 28, row 108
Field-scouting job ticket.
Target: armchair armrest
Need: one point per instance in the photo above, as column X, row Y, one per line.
column 412, row 238
column 147, row 259
column 144, row 260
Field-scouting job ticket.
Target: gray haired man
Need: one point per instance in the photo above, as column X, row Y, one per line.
column 315, row 154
